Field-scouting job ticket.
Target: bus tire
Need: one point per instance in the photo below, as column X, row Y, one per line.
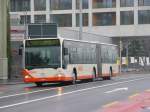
column 109, row 78
column 74, row 76
column 38, row 84
column 94, row 74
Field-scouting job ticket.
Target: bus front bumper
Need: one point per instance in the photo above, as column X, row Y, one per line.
column 29, row 79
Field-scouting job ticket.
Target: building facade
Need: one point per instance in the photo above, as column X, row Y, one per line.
column 114, row 18
column 125, row 20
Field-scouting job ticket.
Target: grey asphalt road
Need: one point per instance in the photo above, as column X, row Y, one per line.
column 82, row 97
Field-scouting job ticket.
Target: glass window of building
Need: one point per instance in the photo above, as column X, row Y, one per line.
column 144, row 17
column 25, row 19
column 63, row 20
column 126, row 17
column 144, row 2
column 39, row 5
column 104, row 19
column 126, row 3
column 84, row 4
column 104, row 3
column 39, row 18
column 85, row 19
column 60, row 4
column 19, row 5
column 14, row 19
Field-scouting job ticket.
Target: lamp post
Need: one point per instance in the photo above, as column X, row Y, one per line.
column 120, row 50
column 80, row 20
column 127, row 55
column 25, row 19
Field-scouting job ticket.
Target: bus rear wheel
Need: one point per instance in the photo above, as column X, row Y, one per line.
column 107, row 78
column 38, row 84
column 94, row 74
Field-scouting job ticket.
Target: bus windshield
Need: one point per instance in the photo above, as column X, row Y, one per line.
column 42, row 55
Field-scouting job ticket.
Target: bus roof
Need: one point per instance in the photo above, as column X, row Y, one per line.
column 94, row 42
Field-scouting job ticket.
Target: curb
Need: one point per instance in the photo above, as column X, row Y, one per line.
column 11, row 83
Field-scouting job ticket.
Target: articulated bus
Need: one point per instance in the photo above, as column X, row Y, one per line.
column 66, row 60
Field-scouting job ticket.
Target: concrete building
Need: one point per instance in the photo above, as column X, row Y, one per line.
column 3, row 39
column 112, row 18
column 124, row 20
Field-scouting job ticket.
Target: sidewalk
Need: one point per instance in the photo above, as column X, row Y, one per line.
column 11, row 82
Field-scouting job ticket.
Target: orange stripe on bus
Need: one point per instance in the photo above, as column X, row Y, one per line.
column 85, row 77
column 48, row 79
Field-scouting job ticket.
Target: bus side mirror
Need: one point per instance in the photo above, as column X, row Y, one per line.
column 65, row 51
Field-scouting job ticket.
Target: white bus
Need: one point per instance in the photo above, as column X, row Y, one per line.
column 66, row 60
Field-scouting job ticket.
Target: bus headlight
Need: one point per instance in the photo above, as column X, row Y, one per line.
column 27, row 76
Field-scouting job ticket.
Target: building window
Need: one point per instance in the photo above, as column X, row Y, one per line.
column 144, row 2
column 126, row 3
column 104, row 3
column 19, row 5
column 84, row 4
column 14, row 19
column 39, row 5
column 126, row 17
column 63, row 20
column 144, row 17
column 84, row 19
column 39, row 18
column 25, row 19
column 104, row 19
column 60, row 4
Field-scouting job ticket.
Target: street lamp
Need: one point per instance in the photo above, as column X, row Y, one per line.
column 120, row 50
column 25, row 19
column 80, row 20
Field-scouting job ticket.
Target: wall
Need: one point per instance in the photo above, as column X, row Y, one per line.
column 3, row 40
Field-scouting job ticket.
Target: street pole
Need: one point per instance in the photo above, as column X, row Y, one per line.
column 80, row 20
column 3, row 38
column 25, row 20
column 120, row 56
column 127, row 54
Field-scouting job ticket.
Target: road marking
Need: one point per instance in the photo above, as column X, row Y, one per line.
column 116, row 90
column 148, row 108
column 67, row 93
column 148, row 90
column 19, row 94
column 130, row 77
column 134, row 95
column 31, row 92
column 110, row 104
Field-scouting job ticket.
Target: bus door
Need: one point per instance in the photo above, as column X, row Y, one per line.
column 99, row 60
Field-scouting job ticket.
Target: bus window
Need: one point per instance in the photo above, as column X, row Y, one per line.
column 42, row 54
column 65, row 51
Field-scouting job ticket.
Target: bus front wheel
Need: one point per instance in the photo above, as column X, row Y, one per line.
column 74, row 76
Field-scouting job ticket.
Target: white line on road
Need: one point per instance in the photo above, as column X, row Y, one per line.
column 129, row 77
column 81, row 90
column 116, row 90
column 19, row 94
column 31, row 92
